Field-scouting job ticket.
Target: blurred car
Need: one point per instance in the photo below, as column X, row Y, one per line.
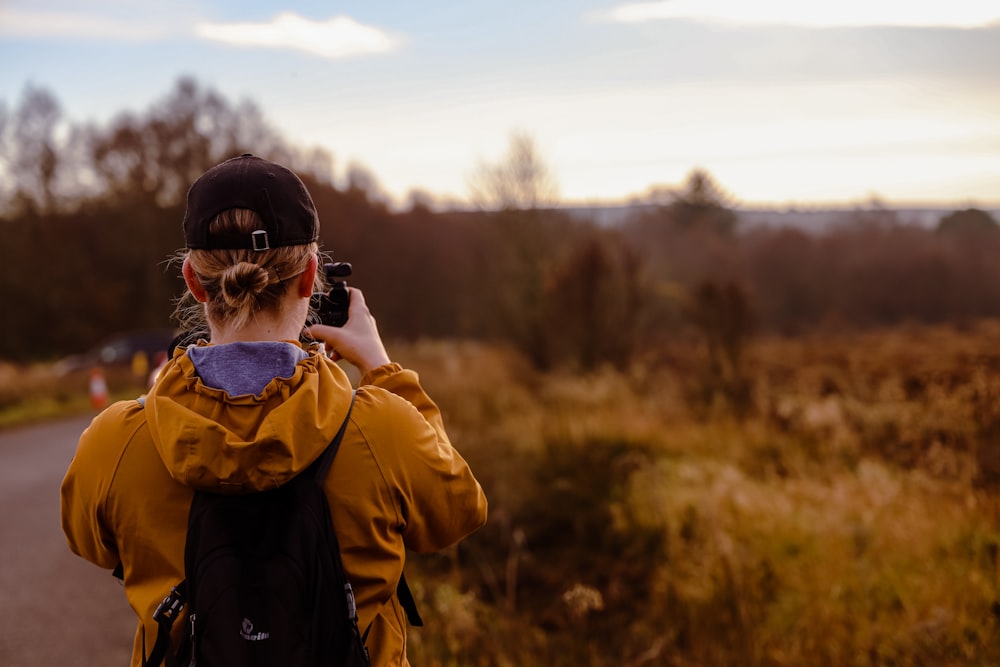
column 120, row 350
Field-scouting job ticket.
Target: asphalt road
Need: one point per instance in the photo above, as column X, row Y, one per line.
column 55, row 608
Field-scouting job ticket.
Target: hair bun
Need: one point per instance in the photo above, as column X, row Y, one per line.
column 241, row 282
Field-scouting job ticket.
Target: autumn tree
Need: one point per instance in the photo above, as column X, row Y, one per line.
column 970, row 221
column 154, row 157
column 687, row 231
column 595, row 300
column 100, row 209
column 514, row 190
column 701, row 203
column 722, row 313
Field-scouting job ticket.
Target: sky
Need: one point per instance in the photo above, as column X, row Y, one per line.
column 783, row 102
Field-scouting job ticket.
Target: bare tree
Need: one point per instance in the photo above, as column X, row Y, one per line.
column 6, row 175
column 518, row 181
column 362, row 179
column 154, row 157
column 30, row 156
column 519, row 192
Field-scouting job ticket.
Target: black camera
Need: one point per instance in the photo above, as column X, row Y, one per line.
column 331, row 307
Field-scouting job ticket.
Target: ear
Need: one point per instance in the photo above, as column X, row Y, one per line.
column 308, row 277
column 193, row 284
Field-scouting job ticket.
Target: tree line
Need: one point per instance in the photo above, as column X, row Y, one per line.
column 89, row 214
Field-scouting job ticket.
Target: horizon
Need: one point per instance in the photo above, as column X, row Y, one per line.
column 785, row 107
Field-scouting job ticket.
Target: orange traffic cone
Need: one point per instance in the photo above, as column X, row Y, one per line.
column 98, row 389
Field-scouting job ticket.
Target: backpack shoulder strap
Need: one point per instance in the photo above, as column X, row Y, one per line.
column 322, row 467
column 408, row 603
column 323, row 463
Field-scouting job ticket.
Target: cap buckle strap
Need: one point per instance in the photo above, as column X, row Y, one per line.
column 259, row 240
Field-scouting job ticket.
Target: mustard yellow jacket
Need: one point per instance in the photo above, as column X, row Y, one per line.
column 396, row 483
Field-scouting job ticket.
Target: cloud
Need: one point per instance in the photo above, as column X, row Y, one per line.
column 843, row 13
column 336, row 38
column 45, row 24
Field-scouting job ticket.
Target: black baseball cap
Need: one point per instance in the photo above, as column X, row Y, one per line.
column 273, row 192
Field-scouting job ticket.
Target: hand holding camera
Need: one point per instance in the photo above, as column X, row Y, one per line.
column 345, row 324
column 332, row 307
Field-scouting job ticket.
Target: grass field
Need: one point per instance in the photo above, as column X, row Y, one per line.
column 845, row 513
column 849, row 516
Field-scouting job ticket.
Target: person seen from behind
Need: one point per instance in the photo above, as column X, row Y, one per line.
column 249, row 407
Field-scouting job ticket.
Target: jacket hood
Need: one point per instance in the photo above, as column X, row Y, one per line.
column 212, row 441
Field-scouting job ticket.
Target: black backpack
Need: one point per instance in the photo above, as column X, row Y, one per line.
column 265, row 584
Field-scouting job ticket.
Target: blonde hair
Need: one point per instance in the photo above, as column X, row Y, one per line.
column 240, row 283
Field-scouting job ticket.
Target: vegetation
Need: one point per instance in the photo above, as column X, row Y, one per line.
column 848, row 514
column 702, row 444
column 90, row 213
column 849, row 517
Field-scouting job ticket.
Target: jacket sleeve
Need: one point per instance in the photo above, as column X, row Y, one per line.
column 85, row 488
column 439, row 499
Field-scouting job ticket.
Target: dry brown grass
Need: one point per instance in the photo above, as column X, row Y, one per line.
column 849, row 519
column 34, row 392
column 851, row 516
